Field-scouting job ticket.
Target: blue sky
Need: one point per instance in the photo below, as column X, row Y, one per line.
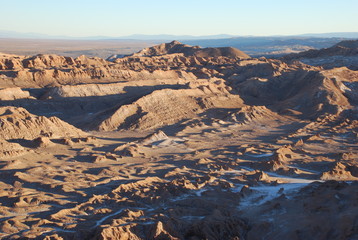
column 196, row 17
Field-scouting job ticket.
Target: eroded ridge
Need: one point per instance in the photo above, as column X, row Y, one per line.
column 177, row 142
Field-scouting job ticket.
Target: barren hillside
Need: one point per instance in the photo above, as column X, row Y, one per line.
column 344, row 53
column 178, row 142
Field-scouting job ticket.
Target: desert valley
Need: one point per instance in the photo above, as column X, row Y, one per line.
column 180, row 142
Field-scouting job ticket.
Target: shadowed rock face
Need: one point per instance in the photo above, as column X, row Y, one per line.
column 183, row 143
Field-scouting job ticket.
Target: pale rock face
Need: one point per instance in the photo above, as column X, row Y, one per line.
column 163, row 107
column 338, row 172
column 8, row 149
column 13, row 94
column 17, row 123
column 42, row 142
column 248, row 114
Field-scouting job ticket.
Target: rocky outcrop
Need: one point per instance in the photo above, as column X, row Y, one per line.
column 280, row 159
column 10, row 62
column 17, row 123
column 45, row 61
column 13, row 94
column 42, row 61
column 309, row 91
column 167, row 106
column 42, row 142
column 154, row 137
column 344, row 48
column 342, row 54
column 9, row 149
column 177, row 47
column 248, row 114
column 156, row 109
column 338, row 172
column 133, row 87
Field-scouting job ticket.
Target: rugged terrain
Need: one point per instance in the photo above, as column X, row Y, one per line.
column 343, row 54
column 177, row 142
column 255, row 46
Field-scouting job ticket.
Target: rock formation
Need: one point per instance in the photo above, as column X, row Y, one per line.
column 177, row 47
column 344, row 53
column 17, row 123
column 338, row 172
column 190, row 143
column 8, row 149
column 13, row 94
column 249, row 114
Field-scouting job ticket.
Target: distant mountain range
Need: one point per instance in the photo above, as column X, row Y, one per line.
column 103, row 46
column 13, row 34
column 165, row 37
column 334, row 35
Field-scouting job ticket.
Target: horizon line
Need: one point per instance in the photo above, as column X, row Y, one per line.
column 157, row 36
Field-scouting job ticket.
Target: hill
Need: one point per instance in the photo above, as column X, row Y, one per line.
column 344, row 53
column 178, row 142
column 177, row 47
